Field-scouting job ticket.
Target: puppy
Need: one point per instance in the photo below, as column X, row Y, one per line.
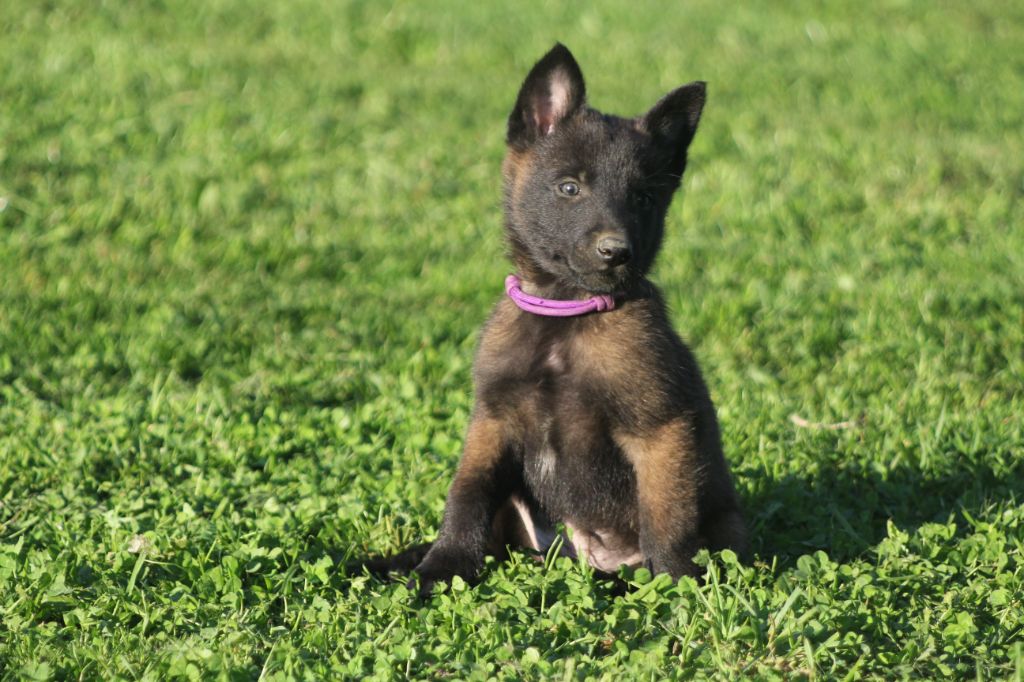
column 589, row 411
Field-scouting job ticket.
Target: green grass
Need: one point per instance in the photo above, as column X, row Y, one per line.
column 245, row 249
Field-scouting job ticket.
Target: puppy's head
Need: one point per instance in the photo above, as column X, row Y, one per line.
column 586, row 193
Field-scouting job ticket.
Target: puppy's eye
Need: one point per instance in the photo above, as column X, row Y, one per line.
column 569, row 189
column 643, row 199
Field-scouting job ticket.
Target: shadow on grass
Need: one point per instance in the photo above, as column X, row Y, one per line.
column 844, row 510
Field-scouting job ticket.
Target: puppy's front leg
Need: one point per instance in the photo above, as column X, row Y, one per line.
column 483, row 482
column 668, row 472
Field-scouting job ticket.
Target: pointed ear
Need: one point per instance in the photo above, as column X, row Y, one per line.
column 673, row 120
column 552, row 92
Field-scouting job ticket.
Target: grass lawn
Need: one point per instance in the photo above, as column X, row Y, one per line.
column 245, row 249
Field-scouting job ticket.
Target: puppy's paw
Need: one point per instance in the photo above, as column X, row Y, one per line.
column 677, row 566
column 439, row 567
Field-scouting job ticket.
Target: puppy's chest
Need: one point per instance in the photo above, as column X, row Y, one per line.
column 549, row 391
column 561, row 393
column 566, row 427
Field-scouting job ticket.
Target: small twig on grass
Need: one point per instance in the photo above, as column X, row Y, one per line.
column 837, row 426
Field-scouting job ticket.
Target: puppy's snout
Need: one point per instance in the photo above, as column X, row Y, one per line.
column 613, row 250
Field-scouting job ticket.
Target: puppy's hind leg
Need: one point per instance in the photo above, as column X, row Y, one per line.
column 506, row 530
column 403, row 562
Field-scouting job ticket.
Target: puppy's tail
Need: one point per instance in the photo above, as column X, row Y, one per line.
column 403, row 562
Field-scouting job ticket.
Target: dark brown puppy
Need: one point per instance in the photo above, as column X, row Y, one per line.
column 600, row 422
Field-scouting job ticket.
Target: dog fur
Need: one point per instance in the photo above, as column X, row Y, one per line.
column 599, row 424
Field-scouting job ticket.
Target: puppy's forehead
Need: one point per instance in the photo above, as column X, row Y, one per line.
column 600, row 145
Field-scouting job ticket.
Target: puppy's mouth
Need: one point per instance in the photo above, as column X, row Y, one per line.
column 584, row 276
column 607, row 280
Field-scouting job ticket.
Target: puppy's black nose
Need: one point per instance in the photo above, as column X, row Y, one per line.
column 613, row 250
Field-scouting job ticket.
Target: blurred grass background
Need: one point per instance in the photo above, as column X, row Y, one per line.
column 245, row 249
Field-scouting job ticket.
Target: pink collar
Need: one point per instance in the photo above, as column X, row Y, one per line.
column 550, row 308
